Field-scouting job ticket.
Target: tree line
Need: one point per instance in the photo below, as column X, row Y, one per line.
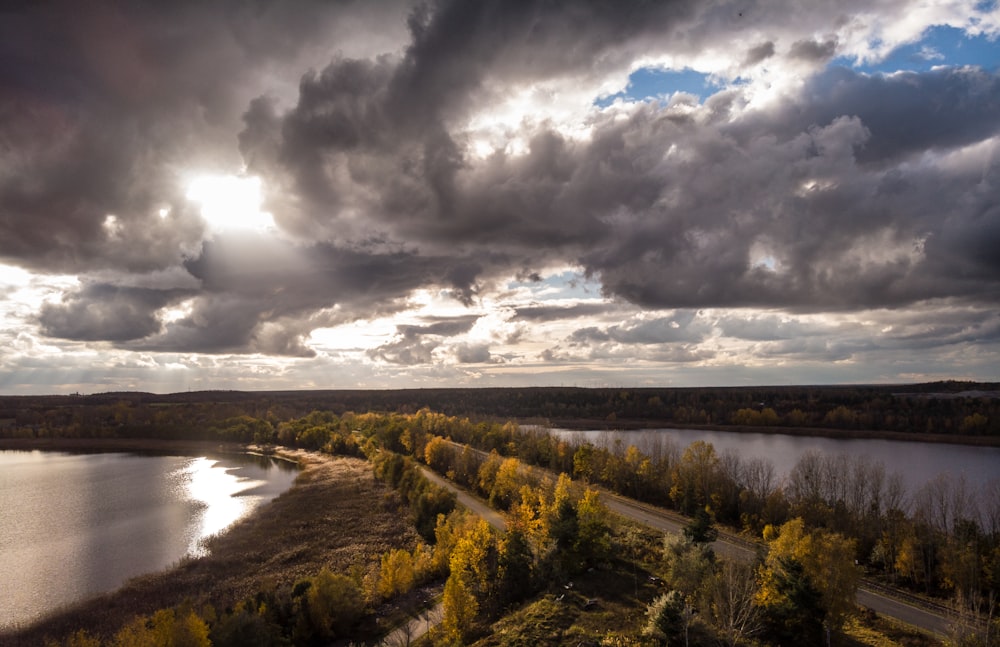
column 942, row 408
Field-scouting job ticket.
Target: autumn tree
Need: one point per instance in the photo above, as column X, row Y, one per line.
column 438, row 454
column 695, row 478
column 827, row 563
column 471, row 586
column 396, row 575
column 167, row 627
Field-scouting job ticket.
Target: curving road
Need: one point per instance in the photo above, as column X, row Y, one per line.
column 887, row 602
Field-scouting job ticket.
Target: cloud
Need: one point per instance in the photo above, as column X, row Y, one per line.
column 120, row 101
column 447, row 148
column 473, row 354
column 811, row 50
column 559, row 312
column 415, row 344
column 107, row 313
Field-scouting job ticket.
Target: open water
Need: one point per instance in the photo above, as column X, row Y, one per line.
column 77, row 525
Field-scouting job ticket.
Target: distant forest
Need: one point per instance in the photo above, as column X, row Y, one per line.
column 933, row 410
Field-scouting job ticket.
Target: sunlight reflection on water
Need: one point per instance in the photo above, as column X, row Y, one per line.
column 76, row 525
column 215, row 489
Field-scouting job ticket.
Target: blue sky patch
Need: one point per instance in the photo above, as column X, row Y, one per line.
column 940, row 45
column 654, row 83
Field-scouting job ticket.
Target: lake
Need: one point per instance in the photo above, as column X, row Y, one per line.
column 915, row 462
column 77, row 525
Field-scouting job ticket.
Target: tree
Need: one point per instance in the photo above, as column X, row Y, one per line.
column 515, row 566
column 700, row 529
column 592, row 540
column 792, row 605
column 459, row 612
column 78, row 639
column 471, row 586
column 396, row 575
column 334, row 602
column 695, row 478
column 686, row 563
column 827, row 563
column 439, row 454
column 731, row 595
column 165, row 628
column 668, row 619
column 505, row 484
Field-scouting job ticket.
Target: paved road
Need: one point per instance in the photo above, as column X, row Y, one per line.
column 728, row 545
column 469, row 501
column 736, row 548
column 415, row 628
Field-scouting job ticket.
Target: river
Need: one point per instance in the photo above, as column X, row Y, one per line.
column 916, row 462
column 77, row 525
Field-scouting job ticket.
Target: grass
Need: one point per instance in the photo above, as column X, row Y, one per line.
column 563, row 616
column 336, row 515
column 871, row 630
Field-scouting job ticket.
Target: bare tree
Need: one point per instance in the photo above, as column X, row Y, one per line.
column 731, row 593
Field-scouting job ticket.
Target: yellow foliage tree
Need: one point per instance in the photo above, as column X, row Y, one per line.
column 397, row 574
column 459, row 611
column 470, row 585
column 827, row 560
column 505, row 484
column 164, row 629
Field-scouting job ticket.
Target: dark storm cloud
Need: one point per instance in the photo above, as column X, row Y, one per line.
column 473, row 354
column 107, row 313
column 445, row 327
column 263, row 294
column 905, row 113
column 810, row 203
column 105, row 104
column 381, row 127
column 689, row 230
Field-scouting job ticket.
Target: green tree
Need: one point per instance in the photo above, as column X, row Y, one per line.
column 700, row 529
column 516, row 565
column 334, row 603
column 668, row 618
column 792, row 605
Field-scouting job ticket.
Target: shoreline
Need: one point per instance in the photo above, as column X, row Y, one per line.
column 324, row 520
column 584, row 424
column 121, row 445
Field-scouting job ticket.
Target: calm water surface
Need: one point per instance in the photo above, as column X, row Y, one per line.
column 916, row 462
column 75, row 525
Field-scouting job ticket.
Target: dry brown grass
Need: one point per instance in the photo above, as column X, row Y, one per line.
column 337, row 515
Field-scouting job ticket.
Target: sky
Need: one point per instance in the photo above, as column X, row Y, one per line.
column 266, row 195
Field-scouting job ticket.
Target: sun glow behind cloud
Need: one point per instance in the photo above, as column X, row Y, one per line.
column 230, row 202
